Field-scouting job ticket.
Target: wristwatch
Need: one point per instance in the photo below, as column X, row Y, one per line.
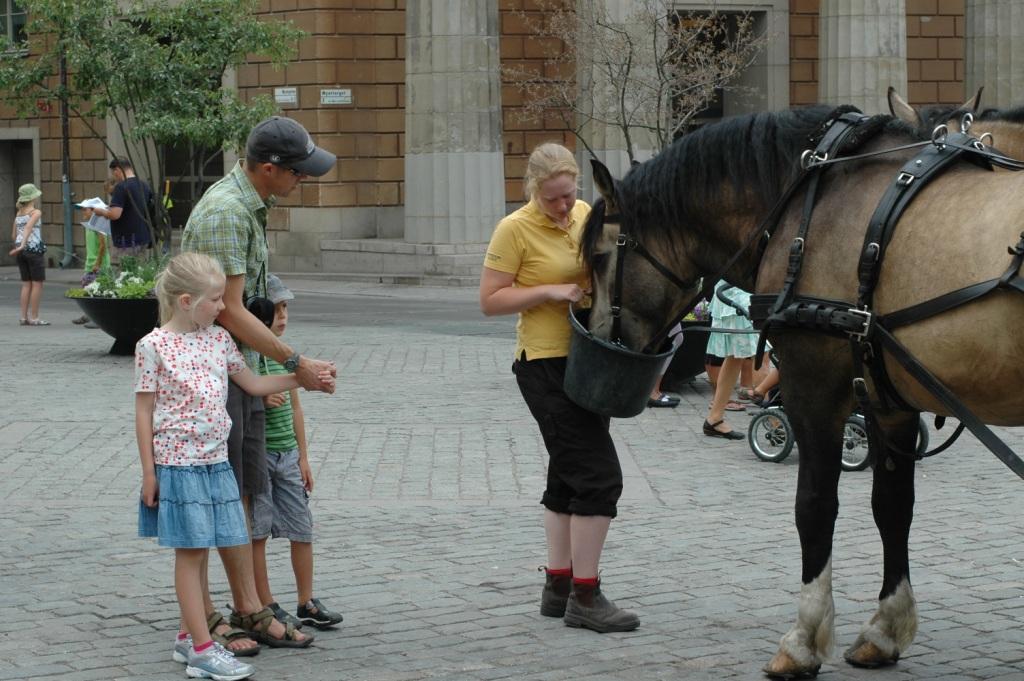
column 292, row 363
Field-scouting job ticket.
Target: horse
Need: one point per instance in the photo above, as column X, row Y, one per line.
column 701, row 200
column 1004, row 128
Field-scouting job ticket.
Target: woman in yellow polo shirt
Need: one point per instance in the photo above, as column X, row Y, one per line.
column 533, row 269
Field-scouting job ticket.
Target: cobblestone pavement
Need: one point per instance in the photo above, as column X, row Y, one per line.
column 428, row 472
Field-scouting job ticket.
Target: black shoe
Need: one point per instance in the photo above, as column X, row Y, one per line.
column 283, row 616
column 709, row 430
column 80, row 320
column 314, row 612
column 555, row 594
column 663, row 401
column 588, row 608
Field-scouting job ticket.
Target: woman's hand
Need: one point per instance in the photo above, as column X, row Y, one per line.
column 570, row 292
column 16, row 250
column 150, row 490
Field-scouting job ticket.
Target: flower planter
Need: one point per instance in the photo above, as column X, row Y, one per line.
column 688, row 362
column 125, row 320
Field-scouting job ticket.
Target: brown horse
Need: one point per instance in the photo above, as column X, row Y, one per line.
column 695, row 204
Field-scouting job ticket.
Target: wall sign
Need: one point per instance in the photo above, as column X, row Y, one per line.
column 286, row 95
column 336, row 96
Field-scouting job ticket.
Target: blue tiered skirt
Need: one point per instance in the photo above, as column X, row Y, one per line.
column 199, row 507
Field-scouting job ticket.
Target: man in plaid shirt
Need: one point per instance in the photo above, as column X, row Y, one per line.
column 229, row 223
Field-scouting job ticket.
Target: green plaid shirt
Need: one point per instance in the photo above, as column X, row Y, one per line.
column 229, row 224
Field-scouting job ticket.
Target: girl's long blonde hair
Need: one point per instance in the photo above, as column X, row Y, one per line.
column 548, row 160
column 191, row 273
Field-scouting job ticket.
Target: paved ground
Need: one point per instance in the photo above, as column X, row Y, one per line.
column 428, row 473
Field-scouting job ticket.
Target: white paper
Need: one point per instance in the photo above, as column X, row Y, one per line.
column 98, row 224
column 95, row 202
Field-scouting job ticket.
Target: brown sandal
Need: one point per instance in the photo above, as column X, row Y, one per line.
column 257, row 626
column 214, row 620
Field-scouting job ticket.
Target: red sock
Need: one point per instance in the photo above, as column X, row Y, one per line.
column 202, row 648
column 561, row 572
column 585, row 581
column 182, row 635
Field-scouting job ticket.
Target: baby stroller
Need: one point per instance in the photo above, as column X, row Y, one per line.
column 771, row 436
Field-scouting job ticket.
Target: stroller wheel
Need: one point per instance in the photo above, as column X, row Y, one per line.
column 770, row 435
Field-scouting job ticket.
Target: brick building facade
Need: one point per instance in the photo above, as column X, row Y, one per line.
column 349, row 81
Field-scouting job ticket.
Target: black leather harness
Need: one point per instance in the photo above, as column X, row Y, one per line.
column 870, row 334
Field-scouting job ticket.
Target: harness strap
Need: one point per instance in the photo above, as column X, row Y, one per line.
column 984, row 434
column 912, row 177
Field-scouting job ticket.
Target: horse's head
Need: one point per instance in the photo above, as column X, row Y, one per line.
column 631, row 269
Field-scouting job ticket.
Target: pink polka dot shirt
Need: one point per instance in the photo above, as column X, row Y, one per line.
column 189, row 374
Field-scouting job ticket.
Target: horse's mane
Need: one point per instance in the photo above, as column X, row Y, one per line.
column 935, row 114
column 749, row 159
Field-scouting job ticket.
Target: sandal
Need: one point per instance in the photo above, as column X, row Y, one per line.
column 257, row 625
column 22, row 322
column 37, row 322
column 214, row 620
column 750, row 395
column 734, row 406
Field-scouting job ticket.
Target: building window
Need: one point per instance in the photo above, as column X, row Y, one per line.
column 13, row 21
column 189, row 171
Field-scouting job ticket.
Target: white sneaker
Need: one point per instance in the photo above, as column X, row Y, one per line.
column 217, row 663
column 182, row 647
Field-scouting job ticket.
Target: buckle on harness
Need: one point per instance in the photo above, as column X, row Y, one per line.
column 904, row 179
column 862, row 332
column 621, row 239
column 616, row 310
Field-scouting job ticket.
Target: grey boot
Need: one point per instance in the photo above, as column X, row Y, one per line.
column 588, row 608
column 555, row 594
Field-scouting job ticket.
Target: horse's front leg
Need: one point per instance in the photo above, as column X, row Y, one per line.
column 818, row 425
column 891, row 629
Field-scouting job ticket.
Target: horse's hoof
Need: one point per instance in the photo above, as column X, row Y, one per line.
column 785, row 668
column 868, row 656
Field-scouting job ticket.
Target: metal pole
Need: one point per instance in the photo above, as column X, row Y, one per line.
column 69, row 247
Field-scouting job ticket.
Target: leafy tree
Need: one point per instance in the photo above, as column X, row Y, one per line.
column 151, row 69
column 643, row 68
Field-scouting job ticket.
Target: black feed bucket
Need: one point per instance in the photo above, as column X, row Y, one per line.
column 606, row 378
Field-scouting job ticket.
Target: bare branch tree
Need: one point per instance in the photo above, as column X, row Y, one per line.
column 646, row 74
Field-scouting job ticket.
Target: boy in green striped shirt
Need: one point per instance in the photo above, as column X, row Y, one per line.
column 284, row 510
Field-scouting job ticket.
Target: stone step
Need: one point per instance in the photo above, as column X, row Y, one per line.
column 406, row 279
column 394, row 258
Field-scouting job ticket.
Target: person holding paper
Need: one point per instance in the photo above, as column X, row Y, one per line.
column 129, row 229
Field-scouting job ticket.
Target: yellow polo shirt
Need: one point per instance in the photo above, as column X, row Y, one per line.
column 537, row 251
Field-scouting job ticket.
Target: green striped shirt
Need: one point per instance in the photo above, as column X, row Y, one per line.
column 280, row 427
column 229, row 224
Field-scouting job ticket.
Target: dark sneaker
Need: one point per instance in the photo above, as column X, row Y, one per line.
column 314, row 612
column 588, row 608
column 284, row 617
column 555, row 594
column 80, row 320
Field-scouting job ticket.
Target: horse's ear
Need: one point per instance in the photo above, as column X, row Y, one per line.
column 974, row 102
column 899, row 108
column 604, row 183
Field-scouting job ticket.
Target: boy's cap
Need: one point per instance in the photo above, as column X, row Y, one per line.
column 277, row 292
column 284, row 142
column 27, row 192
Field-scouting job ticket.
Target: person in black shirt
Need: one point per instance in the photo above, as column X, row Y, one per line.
column 129, row 230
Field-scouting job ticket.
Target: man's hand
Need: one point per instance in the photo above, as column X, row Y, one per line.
column 275, row 400
column 315, row 374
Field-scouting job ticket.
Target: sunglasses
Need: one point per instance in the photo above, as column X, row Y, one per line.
column 293, row 171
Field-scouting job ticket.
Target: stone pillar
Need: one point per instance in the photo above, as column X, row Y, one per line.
column 454, row 168
column 862, row 51
column 993, row 50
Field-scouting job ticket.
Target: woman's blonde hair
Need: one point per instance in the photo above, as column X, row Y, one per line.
column 548, row 160
column 191, row 273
